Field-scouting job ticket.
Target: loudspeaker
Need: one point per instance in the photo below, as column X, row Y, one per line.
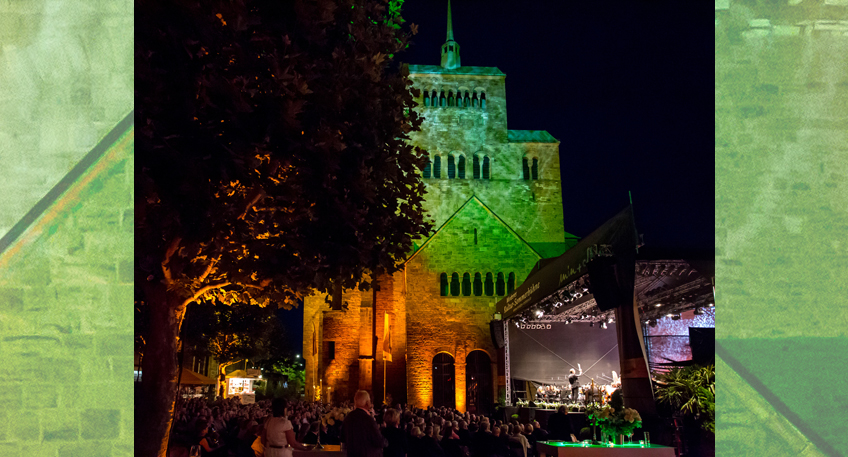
column 604, row 282
column 497, row 330
column 702, row 342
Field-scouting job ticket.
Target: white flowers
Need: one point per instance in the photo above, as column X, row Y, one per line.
column 631, row 415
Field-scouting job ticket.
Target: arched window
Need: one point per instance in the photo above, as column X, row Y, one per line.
column 426, row 99
column 443, row 284
column 510, row 283
column 489, row 285
column 444, row 381
column 442, row 100
column 451, row 168
column 500, row 286
column 454, row 285
column 483, row 100
column 467, row 100
column 485, row 167
column 525, row 169
column 437, row 167
column 478, row 285
column 434, row 98
column 535, row 168
column 476, row 167
column 466, row 285
column 474, row 102
column 450, row 98
column 461, row 167
column 428, row 167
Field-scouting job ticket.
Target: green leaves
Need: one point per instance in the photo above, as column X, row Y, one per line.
column 692, row 391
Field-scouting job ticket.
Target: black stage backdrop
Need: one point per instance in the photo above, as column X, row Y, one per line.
column 546, row 355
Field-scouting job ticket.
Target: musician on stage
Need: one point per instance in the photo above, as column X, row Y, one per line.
column 572, row 379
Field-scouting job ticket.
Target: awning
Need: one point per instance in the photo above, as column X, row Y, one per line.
column 190, row 378
column 614, row 237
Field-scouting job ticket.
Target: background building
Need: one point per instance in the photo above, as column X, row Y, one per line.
column 495, row 198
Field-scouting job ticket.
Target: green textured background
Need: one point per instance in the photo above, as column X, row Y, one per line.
column 66, row 79
column 781, row 132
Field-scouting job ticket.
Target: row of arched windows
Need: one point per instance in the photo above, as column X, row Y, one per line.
column 528, row 171
column 480, row 169
column 492, row 285
column 458, row 99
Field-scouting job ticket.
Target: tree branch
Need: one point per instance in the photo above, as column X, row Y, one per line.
column 203, row 290
column 172, row 248
column 209, row 269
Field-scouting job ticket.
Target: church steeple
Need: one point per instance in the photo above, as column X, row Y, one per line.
column 450, row 50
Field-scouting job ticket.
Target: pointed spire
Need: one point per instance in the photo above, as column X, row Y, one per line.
column 450, row 50
column 450, row 26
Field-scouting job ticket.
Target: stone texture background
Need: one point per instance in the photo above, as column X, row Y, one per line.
column 66, row 79
column 66, row 315
column 781, row 133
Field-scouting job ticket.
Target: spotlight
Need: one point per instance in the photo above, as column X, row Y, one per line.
column 658, row 305
column 539, row 313
column 611, row 320
column 699, row 311
column 675, row 317
column 603, row 325
column 712, row 305
column 669, row 315
column 578, row 295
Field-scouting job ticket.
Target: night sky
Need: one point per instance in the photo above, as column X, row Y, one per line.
column 624, row 86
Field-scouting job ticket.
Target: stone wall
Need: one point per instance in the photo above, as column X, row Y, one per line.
column 456, row 325
column 66, row 319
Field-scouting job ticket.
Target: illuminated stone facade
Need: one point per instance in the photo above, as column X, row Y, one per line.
column 495, row 199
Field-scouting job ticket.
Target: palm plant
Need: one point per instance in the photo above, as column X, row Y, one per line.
column 692, row 391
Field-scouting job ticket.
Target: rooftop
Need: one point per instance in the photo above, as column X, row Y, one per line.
column 437, row 69
column 530, row 136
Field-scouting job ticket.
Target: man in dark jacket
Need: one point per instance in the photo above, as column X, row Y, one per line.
column 362, row 437
column 559, row 426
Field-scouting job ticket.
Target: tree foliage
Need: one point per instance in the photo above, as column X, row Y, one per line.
column 231, row 333
column 273, row 155
column 690, row 390
column 272, row 161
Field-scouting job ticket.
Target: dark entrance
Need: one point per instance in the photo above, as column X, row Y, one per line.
column 444, row 381
column 478, row 377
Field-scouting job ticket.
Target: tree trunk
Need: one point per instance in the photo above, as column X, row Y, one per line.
column 159, row 372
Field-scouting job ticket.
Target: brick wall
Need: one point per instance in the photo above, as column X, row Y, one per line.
column 66, row 318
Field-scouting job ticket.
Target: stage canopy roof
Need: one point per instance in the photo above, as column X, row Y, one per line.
column 677, row 280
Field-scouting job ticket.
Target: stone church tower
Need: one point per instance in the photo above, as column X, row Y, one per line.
column 495, row 197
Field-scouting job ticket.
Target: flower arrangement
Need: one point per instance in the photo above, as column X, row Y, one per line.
column 335, row 415
column 615, row 422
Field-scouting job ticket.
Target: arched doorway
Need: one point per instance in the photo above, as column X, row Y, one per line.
column 478, row 378
column 444, row 381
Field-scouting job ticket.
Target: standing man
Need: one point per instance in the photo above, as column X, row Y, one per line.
column 572, row 379
column 362, row 437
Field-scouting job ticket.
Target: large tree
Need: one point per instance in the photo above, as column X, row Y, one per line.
column 273, row 162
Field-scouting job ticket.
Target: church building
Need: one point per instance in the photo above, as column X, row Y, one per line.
column 495, row 197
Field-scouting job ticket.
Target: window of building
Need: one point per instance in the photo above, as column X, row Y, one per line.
column 510, row 283
column 476, row 167
column 474, row 102
column 525, row 169
column 454, row 285
column 489, row 285
column 466, row 285
column 443, row 285
column 442, row 100
column 500, row 286
column 451, row 168
column 331, row 350
column 426, row 98
column 461, row 167
column 450, row 98
column 478, row 285
column 428, row 167
column 467, row 100
column 483, row 100
column 535, row 168
column 486, row 167
column 437, row 167
column 450, row 47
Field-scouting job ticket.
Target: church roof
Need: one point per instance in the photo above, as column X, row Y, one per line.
column 456, row 213
column 530, row 136
column 438, row 69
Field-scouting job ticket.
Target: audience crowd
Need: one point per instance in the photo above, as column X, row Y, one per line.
column 226, row 428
